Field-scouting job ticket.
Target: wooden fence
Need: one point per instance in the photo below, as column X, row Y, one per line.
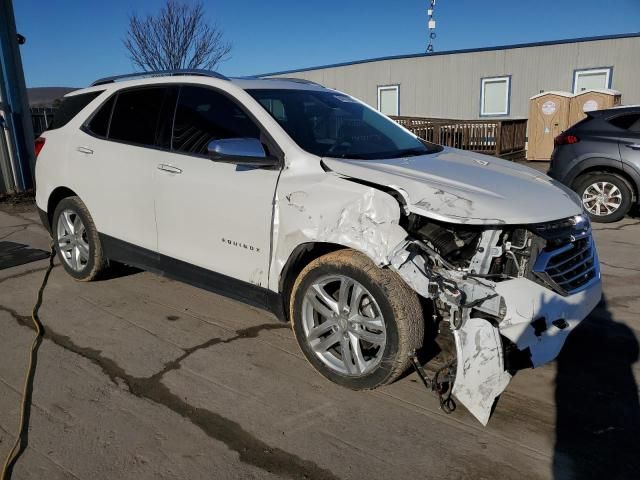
column 502, row 138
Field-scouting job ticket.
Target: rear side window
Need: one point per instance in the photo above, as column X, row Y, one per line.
column 99, row 124
column 630, row 122
column 70, row 107
column 136, row 114
column 203, row 115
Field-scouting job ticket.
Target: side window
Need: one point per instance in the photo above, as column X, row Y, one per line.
column 99, row 124
column 70, row 107
column 630, row 122
column 166, row 117
column 203, row 115
column 136, row 115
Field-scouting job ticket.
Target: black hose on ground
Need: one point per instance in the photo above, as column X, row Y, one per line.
column 22, row 438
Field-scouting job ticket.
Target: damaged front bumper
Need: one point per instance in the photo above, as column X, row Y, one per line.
column 487, row 316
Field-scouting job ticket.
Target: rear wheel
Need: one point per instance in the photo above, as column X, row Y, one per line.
column 355, row 323
column 77, row 241
column 606, row 197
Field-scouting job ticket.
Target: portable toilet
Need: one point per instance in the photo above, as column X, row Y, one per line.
column 589, row 100
column 548, row 117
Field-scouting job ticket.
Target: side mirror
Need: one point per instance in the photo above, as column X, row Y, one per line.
column 240, row 151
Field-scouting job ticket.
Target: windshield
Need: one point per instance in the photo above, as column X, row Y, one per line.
column 331, row 124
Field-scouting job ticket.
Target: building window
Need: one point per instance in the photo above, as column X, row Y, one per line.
column 495, row 96
column 389, row 99
column 592, row 79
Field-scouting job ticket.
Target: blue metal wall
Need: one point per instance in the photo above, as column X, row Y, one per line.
column 14, row 104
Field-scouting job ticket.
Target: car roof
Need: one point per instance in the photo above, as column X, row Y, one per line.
column 276, row 83
column 618, row 110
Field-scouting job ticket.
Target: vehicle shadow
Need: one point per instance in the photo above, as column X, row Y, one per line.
column 118, row 270
column 634, row 212
column 597, row 410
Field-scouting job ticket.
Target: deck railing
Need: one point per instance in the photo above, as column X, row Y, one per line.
column 41, row 118
column 502, row 138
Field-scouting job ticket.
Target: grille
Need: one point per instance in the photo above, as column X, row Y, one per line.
column 568, row 267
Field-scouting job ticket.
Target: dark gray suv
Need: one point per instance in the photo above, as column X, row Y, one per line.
column 599, row 158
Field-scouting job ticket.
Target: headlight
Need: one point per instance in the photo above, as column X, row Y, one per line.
column 581, row 222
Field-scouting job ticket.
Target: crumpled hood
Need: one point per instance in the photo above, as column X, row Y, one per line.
column 464, row 187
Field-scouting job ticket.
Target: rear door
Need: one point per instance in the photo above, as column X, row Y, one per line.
column 629, row 139
column 118, row 155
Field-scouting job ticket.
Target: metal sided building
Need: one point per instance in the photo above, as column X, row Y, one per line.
column 478, row 83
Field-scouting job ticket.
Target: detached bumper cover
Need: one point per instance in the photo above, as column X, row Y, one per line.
column 555, row 315
column 536, row 319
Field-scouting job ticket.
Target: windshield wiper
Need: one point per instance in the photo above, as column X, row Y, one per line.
column 409, row 152
column 355, row 156
column 413, row 152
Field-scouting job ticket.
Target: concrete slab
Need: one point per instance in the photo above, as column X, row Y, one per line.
column 143, row 377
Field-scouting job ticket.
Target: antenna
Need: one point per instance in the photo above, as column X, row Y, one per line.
column 432, row 25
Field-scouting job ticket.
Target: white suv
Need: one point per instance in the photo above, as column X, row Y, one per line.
column 304, row 201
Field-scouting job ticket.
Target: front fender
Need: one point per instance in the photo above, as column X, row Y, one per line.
column 583, row 164
column 327, row 208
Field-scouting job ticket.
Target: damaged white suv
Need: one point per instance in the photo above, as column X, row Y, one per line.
column 304, row 201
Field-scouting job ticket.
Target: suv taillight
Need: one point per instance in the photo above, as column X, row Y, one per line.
column 39, row 143
column 565, row 139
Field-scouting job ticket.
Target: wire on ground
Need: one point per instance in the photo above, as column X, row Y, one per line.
column 25, row 406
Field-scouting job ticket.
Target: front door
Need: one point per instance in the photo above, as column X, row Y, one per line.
column 211, row 215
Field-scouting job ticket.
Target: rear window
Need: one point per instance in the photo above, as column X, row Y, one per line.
column 582, row 122
column 136, row 114
column 630, row 122
column 70, row 107
column 99, row 124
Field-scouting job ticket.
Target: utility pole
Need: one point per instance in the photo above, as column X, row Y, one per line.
column 432, row 25
column 17, row 158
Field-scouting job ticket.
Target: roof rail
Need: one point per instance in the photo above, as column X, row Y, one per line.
column 159, row 73
column 293, row 79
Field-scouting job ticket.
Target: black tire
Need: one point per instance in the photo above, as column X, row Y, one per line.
column 398, row 304
column 96, row 262
column 583, row 183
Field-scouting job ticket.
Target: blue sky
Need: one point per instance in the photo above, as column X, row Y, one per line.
column 73, row 42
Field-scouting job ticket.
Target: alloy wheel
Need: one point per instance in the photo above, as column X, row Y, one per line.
column 343, row 325
column 72, row 240
column 602, row 198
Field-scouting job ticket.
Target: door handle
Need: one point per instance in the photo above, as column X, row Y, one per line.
column 169, row 168
column 86, row 150
column 635, row 146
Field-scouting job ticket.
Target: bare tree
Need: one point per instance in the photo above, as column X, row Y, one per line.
column 178, row 37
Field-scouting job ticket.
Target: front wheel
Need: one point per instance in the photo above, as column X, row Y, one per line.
column 355, row 323
column 606, row 197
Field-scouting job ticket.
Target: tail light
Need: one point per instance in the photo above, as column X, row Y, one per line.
column 565, row 139
column 39, row 143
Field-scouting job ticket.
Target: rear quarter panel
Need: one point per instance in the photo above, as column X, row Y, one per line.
column 52, row 167
column 589, row 153
column 55, row 164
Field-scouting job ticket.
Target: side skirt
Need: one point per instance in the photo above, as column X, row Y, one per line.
column 124, row 252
